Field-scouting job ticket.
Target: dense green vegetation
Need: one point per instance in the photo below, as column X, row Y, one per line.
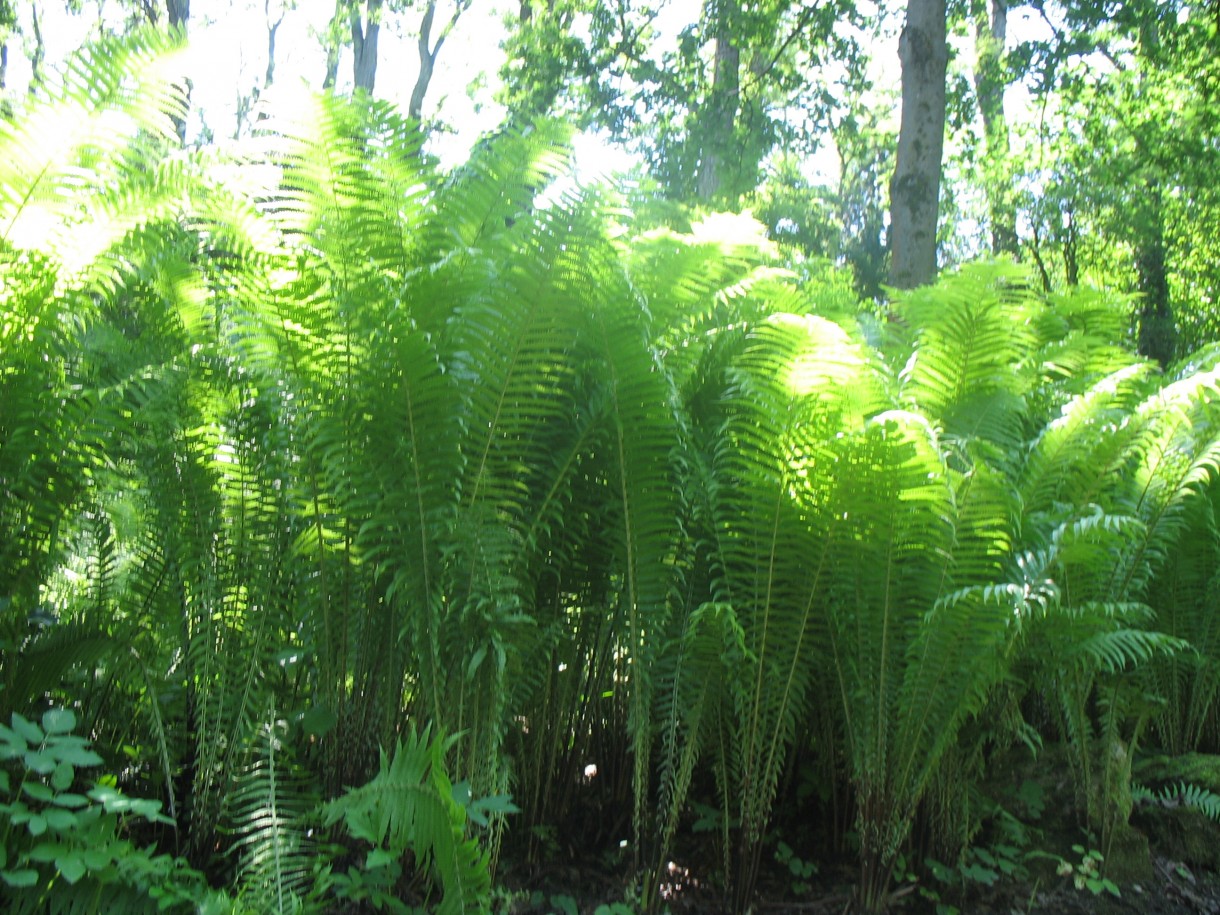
column 350, row 509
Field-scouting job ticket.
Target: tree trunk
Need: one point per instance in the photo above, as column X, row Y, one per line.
column 364, row 44
column 722, row 108
column 179, row 12
column 1157, row 334
column 991, row 32
column 272, row 29
column 915, row 189
column 1071, row 249
column 427, row 63
column 8, row 21
column 40, row 50
column 429, row 52
column 334, row 43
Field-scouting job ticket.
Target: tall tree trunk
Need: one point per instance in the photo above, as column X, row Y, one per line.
column 334, row 43
column 179, row 12
column 915, row 189
column 991, row 33
column 1071, row 248
column 38, row 55
column 272, row 29
column 722, row 107
column 1157, row 333
column 364, row 44
column 1157, row 337
column 429, row 52
column 8, row 22
column 427, row 63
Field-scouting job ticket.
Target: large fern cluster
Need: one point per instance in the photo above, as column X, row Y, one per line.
column 311, row 447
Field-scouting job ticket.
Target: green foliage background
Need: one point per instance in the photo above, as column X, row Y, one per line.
column 310, row 450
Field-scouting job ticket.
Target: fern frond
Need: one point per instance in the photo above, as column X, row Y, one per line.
column 1180, row 794
column 1075, row 455
column 73, row 144
column 270, row 807
column 970, row 363
column 409, row 806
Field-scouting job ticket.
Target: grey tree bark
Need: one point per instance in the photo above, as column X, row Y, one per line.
column 333, row 41
column 179, row 13
column 1157, row 332
column 8, row 22
column 364, row 44
column 39, row 53
column 722, row 108
column 273, row 27
column 429, row 52
column 915, row 188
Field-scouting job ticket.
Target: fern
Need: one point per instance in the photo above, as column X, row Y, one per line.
column 78, row 143
column 970, row 361
column 1180, row 794
column 409, row 806
column 270, row 806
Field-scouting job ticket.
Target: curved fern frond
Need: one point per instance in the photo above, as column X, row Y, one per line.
column 93, row 131
column 1075, row 455
column 1180, row 794
column 970, row 364
column 271, row 806
column 409, row 807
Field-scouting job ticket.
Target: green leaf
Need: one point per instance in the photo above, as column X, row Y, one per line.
column 37, row 825
column 70, row 801
column 95, row 859
column 38, row 792
column 11, row 743
column 318, row 721
column 71, row 867
column 28, row 730
column 980, row 874
column 59, row 819
column 58, row 721
column 62, row 777
column 80, row 757
column 20, row 878
column 47, row 851
column 17, row 812
column 41, row 762
column 379, row 857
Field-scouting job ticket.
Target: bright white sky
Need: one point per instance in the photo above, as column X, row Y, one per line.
column 229, row 44
column 229, row 40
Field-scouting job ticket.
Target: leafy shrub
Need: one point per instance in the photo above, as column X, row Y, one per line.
column 73, row 844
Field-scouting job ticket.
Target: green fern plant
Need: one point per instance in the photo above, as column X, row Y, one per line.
column 1180, row 794
column 410, row 807
column 271, row 808
column 1109, row 485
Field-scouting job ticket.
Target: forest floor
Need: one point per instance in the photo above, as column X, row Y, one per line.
column 1171, row 865
column 1174, row 890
